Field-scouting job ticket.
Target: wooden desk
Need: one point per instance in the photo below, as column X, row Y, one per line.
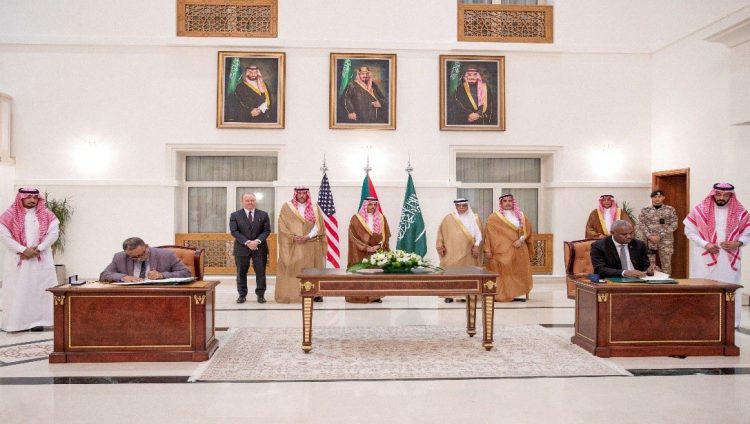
column 469, row 282
column 100, row 322
column 692, row 318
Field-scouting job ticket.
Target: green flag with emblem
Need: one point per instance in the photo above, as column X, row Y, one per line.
column 411, row 230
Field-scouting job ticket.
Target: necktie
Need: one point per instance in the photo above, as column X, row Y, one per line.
column 143, row 270
column 623, row 257
column 250, row 216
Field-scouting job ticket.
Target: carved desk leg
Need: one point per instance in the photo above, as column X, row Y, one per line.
column 489, row 315
column 307, row 311
column 730, row 349
column 471, row 315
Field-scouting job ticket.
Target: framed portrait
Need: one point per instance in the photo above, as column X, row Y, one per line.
column 250, row 90
column 363, row 91
column 472, row 93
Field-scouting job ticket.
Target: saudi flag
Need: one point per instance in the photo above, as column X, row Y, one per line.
column 411, row 231
column 346, row 76
column 235, row 75
column 454, row 77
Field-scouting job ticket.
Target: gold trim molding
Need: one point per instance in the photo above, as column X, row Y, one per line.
column 729, row 296
column 307, row 285
column 199, row 299
column 602, row 297
column 59, row 300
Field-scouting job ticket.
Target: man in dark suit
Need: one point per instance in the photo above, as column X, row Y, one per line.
column 620, row 255
column 138, row 261
column 250, row 228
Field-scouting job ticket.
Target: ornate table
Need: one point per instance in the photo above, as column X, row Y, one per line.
column 100, row 322
column 693, row 317
column 470, row 282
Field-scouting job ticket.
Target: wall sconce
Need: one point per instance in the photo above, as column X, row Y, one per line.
column 91, row 157
column 606, row 159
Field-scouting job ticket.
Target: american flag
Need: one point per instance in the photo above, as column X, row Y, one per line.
column 325, row 201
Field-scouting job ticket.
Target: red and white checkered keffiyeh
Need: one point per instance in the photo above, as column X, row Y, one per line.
column 516, row 210
column 377, row 217
column 612, row 211
column 309, row 213
column 481, row 89
column 704, row 219
column 14, row 219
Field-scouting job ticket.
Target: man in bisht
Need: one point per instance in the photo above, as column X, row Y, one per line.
column 601, row 218
column 302, row 244
column 364, row 102
column 28, row 229
column 368, row 233
column 459, row 238
column 473, row 102
column 656, row 226
column 718, row 227
column 254, row 98
column 507, row 247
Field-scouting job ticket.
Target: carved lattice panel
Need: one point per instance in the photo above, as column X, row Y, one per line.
column 541, row 257
column 227, row 18
column 505, row 23
column 219, row 246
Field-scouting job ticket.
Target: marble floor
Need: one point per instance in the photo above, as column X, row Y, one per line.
column 663, row 390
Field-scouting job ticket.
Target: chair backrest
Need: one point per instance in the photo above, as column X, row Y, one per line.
column 578, row 257
column 192, row 258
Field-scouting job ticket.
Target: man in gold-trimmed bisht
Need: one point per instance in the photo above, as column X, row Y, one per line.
column 302, row 244
column 368, row 233
column 459, row 238
column 601, row 218
column 507, row 247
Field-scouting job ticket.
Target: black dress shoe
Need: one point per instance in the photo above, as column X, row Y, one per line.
column 261, row 299
column 241, row 299
column 448, row 300
column 37, row 328
column 318, row 299
column 377, row 301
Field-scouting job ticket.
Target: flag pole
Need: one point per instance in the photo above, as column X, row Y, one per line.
column 367, row 167
column 409, row 168
column 324, row 168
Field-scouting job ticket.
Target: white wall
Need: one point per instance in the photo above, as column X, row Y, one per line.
column 136, row 90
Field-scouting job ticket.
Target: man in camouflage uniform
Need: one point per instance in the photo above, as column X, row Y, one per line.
column 656, row 226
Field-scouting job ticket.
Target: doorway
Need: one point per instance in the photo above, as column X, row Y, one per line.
column 676, row 186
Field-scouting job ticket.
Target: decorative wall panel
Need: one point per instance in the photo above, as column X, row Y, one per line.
column 505, row 23
column 219, row 246
column 227, row 18
column 541, row 256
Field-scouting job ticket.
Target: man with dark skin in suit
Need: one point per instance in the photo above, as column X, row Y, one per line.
column 620, row 255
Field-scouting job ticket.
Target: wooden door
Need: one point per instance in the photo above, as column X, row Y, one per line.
column 676, row 186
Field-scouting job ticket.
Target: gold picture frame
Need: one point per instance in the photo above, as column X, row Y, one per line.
column 472, row 93
column 362, row 91
column 250, row 90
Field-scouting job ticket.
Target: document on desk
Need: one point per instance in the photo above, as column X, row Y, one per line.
column 659, row 278
column 164, row 281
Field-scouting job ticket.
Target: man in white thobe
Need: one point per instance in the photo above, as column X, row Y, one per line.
column 28, row 229
column 718, row 227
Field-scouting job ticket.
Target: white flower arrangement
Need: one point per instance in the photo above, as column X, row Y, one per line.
column 394, row 260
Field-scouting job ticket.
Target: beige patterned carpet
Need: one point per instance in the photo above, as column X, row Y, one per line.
column 387, row 353
column 25, row 352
